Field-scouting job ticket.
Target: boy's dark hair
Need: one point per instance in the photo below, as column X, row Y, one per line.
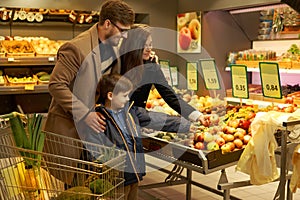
column 114, row 83
column 116, row 11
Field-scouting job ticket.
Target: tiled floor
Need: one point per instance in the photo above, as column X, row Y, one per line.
column 178, row 192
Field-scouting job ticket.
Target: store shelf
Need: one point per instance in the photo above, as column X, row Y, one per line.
column 21, row 89
column 26, row 61
column 288, row 71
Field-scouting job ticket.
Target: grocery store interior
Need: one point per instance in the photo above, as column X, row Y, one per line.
column 219, row 68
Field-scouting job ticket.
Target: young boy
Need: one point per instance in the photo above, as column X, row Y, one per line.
column 123, row 122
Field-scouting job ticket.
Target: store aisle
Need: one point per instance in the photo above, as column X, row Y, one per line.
column 262, row 192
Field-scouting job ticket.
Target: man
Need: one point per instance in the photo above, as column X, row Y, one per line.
column 80, row 65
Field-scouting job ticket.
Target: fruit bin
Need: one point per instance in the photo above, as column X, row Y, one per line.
column 206, row 161
column 60, row 177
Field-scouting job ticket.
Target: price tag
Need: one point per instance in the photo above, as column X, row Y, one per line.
column 210, row 74
column 239, row 81
column 29, row 86
column 192, row 75
column 174, row 75
column 51, row 59
column 270, row 79
column 10, row 59
column 165, row 67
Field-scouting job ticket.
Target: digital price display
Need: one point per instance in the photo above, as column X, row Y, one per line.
column 270, row 79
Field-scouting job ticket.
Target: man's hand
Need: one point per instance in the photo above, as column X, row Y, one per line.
column 204, row 119
column 96, row 121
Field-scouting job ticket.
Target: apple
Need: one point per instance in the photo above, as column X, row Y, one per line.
column 245, row 124
column 289, row 109
column 229, row 138
column 149, row 105
column 251, row 115
column 181, row 15
column 220, row 141
column 212, row 146
column 199, row 137
column 185, row 38
column 234, row 123
column 229, row 130
column 208, row 137
column 214, row 119
column 228, row 147
column 195, row 28
column 238, row 143
column 240, row 135
column 181, row 22
column 199, row 145
column 247, row 138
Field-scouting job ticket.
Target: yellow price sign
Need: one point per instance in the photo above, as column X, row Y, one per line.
column 210, row 74
column 165, row 68
column 192, row 76
column 29, row 86
column 270, row 79
column 239, row 81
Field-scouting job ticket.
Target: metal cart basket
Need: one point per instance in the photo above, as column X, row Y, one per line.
column 60, row 177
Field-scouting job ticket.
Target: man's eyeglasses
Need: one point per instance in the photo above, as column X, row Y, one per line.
column 123, row 31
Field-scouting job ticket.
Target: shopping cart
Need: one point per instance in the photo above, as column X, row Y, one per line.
column 101, row 180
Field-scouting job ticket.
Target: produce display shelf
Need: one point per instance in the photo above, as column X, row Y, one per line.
column 287, row 71
column 26, row 61
column 205, row 161
column 21, row 89
column 193, row 160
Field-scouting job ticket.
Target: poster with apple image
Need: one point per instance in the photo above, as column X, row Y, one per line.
column 189, row 32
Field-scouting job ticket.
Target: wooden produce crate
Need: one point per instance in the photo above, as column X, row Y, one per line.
column 2, row 50
column 18, row 48
column 12, row 81
column 250, row 64
column 295, row 65
column 2, row 80
column 46, row 48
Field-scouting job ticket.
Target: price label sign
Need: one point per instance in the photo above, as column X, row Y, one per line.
column 239, row 81
column 210, row 75
column 192, row 75
column 165, row 67
column 29, row 87
column 174, row 75
column 270, row 79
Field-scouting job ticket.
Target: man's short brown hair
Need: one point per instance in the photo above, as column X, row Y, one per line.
column 117, row 11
